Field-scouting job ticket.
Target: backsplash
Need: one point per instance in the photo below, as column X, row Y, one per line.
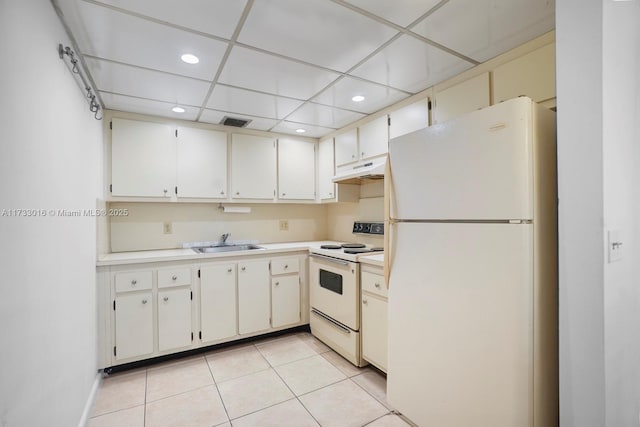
column 340, row 216
column 143, row 227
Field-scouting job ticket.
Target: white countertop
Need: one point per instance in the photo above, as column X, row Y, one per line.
column 377, row 259
column 136, row 257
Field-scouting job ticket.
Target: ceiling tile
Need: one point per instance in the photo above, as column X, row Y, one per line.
column 227, row 98
column 412, row 65
column 128, row 80
column 217, row 17
column 482, row 29
column 146, row 106
column 257, row 123
column 401, row 12
column 316, row 31
column 311, row 131
column 107, row 34
column 376, row 96
column 321, row 115
column 271, row 74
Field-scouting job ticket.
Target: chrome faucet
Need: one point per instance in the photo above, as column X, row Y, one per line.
column 224, row 238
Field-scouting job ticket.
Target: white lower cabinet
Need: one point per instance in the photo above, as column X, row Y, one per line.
column 254, row 308
column 218, row 313
column 133, row 325
column 373, row 328
column 174, row 319
column 285, row 291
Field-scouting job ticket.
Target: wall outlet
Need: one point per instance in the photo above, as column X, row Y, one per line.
column 284, row 225
column 167, row 227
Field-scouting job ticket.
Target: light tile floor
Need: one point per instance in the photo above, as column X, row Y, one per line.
column 292, row 380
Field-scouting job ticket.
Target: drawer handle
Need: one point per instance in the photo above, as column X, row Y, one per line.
column 133, row 282
column 364, row 301
column 229, row 270
column 377, row 285
column 243, row 268
column 166, row 299
column 174, row 278
column 144, row 301
column 237, row 193
column 277, row 283
column 286, row 266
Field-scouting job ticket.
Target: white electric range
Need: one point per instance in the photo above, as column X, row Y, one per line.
column 334, row 281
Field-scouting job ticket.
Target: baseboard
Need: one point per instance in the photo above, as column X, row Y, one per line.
column 91, row 399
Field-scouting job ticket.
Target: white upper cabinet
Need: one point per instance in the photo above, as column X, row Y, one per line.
column 347, row 147
column 464, row 97
column 253, row 167
column 202, row 163
column 296, row 169
column 326, row 170
column 143, row 159
column 532, row 75
column 409, row 118
column 374, row 138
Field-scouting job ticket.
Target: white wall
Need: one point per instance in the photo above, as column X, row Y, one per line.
column 598, row 71
column 50, row 158
column 621, row 178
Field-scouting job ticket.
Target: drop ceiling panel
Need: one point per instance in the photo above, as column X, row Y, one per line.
column 271, row 74
column 257, row 123
column 376, row 96
column 129, row 80
column 412, row 65
column 217, row 17
column 146, row 106
column 400, row 12
column 316, row 31
column 120, row 37
column 324, row 116
column 311, row 131
column 483, row 29
column 232, row 99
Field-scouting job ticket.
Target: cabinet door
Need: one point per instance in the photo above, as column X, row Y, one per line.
column 347, row 147
column 374, row 137
column 464, row 97
column 532, row 75
column 134, row 325
column 143, row 159
column 174, row 319
column 408, row 119
column 253, row 167
column 285, row 300
column 374, row 330
column 326, row 170
column 202, row 163
column 296, row 169
column 254, row 305
column 218, row 302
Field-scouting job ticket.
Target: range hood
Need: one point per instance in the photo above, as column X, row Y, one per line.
column 354, row 173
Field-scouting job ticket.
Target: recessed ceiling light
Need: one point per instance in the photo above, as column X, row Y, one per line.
column 358, row 98
column 190, row 59
column 300, row 130
column 177, row 109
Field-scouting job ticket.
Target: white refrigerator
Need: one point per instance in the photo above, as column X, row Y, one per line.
column 472, row 264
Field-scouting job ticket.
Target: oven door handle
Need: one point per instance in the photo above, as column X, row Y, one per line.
column 330, row 320
column 328, row 258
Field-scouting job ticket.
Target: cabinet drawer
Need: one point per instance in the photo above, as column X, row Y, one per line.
column 174, row 277
column 284, row 265
column 373, row 283
column 134, row 281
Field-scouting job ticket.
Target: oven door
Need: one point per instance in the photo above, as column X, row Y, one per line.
column 334, row 289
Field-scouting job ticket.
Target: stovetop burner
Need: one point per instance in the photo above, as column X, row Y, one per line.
column 353, row 245
column 330, row 247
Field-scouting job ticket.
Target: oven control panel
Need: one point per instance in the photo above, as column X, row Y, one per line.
column 368, row 227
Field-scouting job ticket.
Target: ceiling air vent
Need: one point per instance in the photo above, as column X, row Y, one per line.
column 230, row 121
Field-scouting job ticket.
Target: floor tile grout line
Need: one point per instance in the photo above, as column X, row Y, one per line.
column 381, row 416
column 116, row 410
column 218, row 391
column 297, row 398
column 144, row 417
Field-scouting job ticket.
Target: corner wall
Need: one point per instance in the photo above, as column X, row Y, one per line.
column 50, row 159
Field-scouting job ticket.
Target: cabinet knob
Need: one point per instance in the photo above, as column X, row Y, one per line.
column 166, row 191
column 229, row 270
column 166, row 299
column 364, row 301
column 277, row 283
column 144, row 301
column 331, row 194
column 222, row 193
column 133, row 282
column 284, row 194
column 362, row 154
column 353, row 156
column 174, row 278
column 286, row 266
column 237, row 193
column 377, row 285
column 243, row 268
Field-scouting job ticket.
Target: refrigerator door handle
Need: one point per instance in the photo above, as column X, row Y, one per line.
column 388, row 188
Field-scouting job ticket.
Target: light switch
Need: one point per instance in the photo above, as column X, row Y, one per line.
column 614, row 245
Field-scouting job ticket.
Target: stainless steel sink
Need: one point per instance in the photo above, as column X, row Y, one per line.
column 225, row 248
